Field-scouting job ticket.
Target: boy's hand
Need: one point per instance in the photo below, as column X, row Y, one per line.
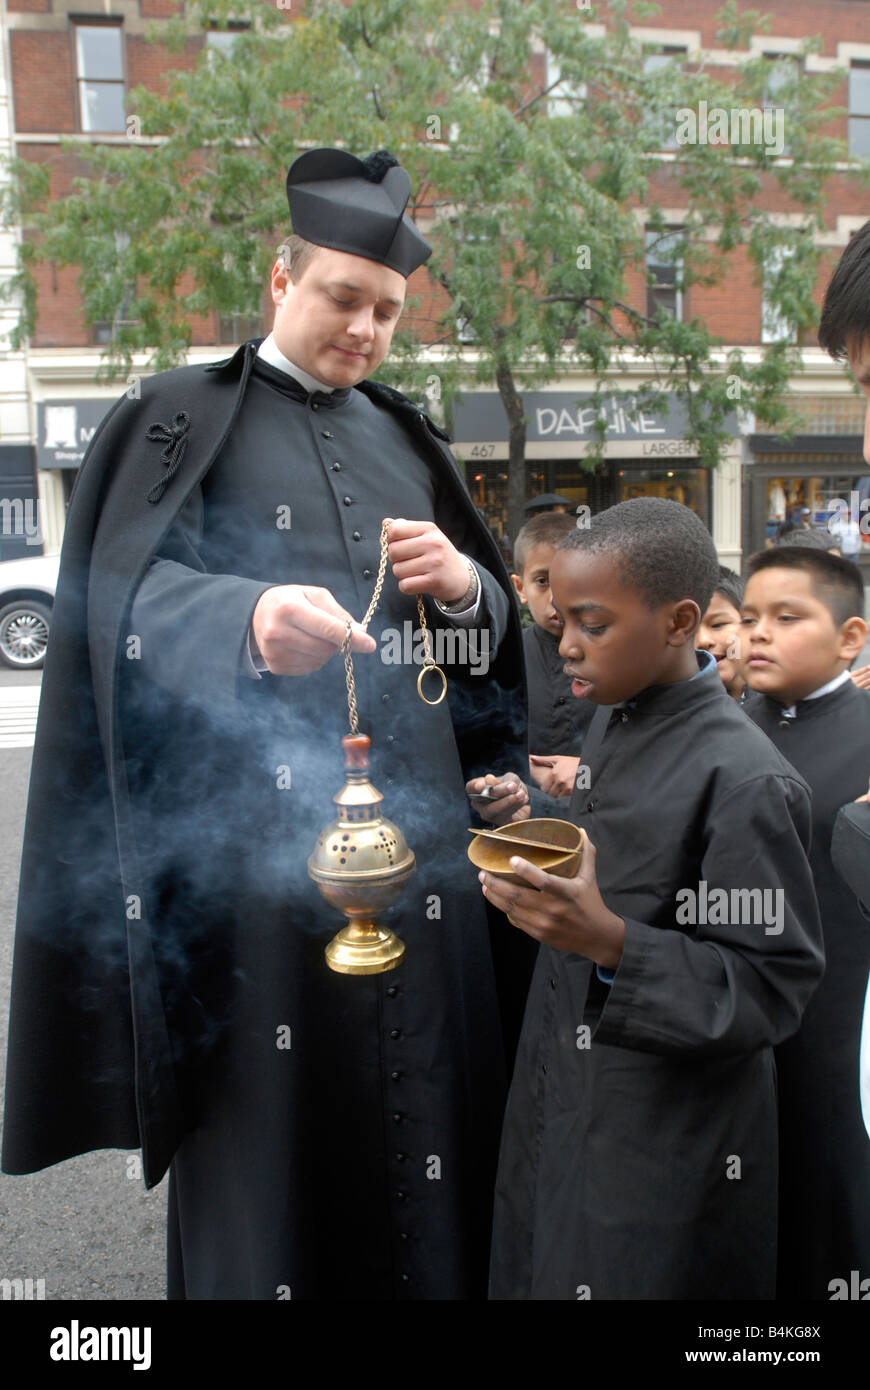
column 554, row 774
column 567, row 913
column 861, row 677
column 511, row 800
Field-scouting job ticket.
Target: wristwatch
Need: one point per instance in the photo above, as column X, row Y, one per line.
column 458, row 605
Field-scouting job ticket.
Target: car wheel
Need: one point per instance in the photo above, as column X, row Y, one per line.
column 24, row 634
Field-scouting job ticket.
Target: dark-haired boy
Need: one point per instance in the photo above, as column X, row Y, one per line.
column 638, row 1159
column 556, row 723
column 719, row 633
column 803, row 627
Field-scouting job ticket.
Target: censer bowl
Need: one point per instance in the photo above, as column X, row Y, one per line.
column 361, row 863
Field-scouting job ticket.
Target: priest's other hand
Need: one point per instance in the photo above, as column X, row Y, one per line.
column 568, row 914
column 510, row 798
column 424, row 561
column 298, row 627
column 554, row 774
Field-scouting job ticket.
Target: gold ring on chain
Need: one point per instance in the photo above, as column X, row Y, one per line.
column 423, row 671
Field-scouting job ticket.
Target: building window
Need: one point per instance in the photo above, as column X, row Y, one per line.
column 775, row 326
column 662, row 123
column 238, row 328
column 859, row 109
column 100, row 77
column 664, row 267
column 222, row 41
column 782, row 70
column 564, row 97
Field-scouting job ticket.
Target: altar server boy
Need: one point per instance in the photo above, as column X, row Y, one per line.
column 638, row 1159
column 803, row 626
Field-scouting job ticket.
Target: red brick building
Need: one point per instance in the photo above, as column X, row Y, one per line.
column 67, row 65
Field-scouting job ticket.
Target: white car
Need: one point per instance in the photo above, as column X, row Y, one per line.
column 26, row 597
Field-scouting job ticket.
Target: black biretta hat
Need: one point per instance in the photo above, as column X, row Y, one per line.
column 356, row 205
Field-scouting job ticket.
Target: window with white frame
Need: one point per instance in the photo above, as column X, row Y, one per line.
column 775, row 326
column 222, row 41
column 664, row 123
column 99, row 51
column 664, row 265
column 859, row 108
column 782, row 70
column 564, row 97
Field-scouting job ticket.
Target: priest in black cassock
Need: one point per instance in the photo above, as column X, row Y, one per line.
column 327, row 1135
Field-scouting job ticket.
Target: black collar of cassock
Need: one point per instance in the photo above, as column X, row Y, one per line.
column 818, row 708
column 289, row 386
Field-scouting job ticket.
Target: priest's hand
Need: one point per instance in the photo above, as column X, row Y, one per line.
column 424, row 561
column 566, row 913
column 510, row 798
column 554, row 774
column 298, row 627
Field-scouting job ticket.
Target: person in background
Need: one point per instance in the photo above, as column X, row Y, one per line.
column 719, row 633
column 556, row 722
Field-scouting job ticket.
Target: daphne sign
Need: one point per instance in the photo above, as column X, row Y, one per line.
column 566, row 417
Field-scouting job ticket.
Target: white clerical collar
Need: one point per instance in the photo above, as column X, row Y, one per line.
column 822, row 690
column 271, row 353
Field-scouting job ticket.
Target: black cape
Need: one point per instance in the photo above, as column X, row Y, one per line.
column 333, row 1136
column 639, row 1150
column 824, row 1149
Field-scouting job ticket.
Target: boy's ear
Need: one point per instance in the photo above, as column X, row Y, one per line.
column 685, row 620
column 517, row 581
column 853, row 635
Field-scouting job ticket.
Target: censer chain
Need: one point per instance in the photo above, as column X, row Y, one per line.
column 428, row 660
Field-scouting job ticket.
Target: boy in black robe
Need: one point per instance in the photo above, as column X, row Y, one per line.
column 638, row 1159
column 556, row 724
column 803, row 627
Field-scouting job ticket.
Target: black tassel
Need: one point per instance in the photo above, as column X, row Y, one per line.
column 174, row 436
column 376, row 165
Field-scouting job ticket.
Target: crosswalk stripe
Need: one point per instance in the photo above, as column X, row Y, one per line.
column 19, row 706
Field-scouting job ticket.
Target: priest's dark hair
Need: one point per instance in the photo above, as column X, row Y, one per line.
column 662, row 548
column 550, row 528
column 836, row 582
column 846, row 311
column 730, row 586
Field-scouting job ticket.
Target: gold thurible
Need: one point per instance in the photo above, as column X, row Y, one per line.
column 361, row 861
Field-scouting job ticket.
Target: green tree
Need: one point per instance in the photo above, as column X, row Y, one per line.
column 532, row 141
